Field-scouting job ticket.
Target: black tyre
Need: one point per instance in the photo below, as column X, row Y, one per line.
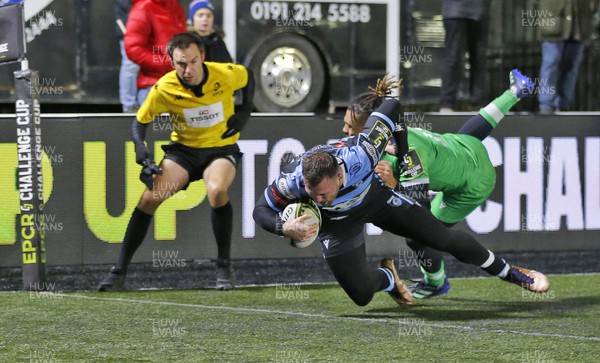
column 289, row 73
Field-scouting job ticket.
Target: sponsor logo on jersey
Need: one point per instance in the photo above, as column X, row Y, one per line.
column 395, row 201
column 204, row 116
column 350, row 202
column 326, row 243
column 412, row 165
column 283, row 188
column 178, row 97
column 380, row 133
column 368, row 147
column 355, row 168
column 217, row 90
column 322, row 147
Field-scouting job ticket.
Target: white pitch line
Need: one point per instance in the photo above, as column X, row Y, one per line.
column 325, row 316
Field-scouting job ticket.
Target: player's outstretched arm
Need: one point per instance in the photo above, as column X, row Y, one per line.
column 382, row 123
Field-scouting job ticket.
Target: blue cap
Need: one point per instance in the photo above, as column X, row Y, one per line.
column 10, row 2
column 197, row 5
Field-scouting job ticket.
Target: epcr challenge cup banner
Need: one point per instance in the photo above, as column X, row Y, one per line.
column 29, row 180
column 30, row 221
column 12, row 45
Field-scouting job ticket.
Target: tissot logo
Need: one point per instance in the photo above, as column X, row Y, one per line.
column 205, row 116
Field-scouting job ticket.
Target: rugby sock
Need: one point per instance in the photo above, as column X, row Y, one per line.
column 434, row 278
column 430, row 261
column 495, row 265
column 222, row 223
column 477, row 126
column 390, row 278
column 504, row 271
column 498, row 108
column 134, row 236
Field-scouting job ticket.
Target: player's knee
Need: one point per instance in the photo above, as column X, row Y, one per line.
column 215, row 191
column 361, row 298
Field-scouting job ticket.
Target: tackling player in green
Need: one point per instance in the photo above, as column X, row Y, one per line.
column 456, row 166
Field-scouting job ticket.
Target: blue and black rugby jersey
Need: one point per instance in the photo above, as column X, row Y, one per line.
column 356, row 155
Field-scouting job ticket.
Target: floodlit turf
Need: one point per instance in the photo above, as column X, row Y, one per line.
column 480, row 320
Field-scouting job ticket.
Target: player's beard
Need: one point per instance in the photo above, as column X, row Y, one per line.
column 328, row 203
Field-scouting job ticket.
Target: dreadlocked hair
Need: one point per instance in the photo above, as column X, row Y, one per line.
column 365, row 103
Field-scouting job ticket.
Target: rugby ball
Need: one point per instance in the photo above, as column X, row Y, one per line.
column 297, row 209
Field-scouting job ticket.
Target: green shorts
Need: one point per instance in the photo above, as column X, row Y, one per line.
column 454, row 206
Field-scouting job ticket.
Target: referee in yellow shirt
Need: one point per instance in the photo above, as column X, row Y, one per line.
column 198, row 96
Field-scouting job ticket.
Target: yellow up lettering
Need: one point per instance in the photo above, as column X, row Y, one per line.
column 105, row 226
column 109, row 228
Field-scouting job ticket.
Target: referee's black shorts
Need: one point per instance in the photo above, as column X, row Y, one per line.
column 195, row 160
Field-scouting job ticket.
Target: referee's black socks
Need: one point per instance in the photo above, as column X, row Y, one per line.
column 222, row 223
column 134, row 236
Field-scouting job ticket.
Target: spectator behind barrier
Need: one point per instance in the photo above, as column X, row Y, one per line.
column 466, row 23
column 563, row 44
column 128, row 72
column 202, row 20
column 150, row 25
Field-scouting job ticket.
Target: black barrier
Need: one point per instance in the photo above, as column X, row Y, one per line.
column 546, row 196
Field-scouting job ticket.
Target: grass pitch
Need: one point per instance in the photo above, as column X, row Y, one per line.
column 480, row 320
